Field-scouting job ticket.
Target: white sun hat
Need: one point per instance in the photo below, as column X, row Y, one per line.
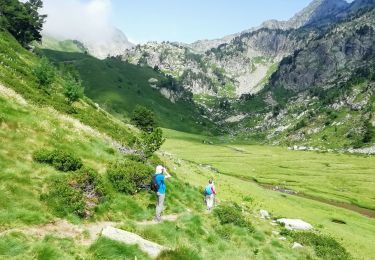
column 159, row 169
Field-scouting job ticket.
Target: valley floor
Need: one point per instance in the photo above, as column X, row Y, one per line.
column 241, row 172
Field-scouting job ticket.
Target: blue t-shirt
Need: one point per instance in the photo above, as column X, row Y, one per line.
column 161, row 184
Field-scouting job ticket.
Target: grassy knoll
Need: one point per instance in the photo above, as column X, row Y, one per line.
column 338, row 177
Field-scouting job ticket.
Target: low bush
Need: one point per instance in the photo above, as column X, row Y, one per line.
column 182, row 253
column 324, row 246
column 75, row 193
column 45, row 73
column 232, row 214
column 61, row 160
column 299, row 125
column 73, row 89
column 129, row 176
column 151, row 142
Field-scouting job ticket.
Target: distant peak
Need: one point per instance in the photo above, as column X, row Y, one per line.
column 316, row 10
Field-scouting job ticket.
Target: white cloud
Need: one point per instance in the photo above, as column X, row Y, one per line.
column 88, row 21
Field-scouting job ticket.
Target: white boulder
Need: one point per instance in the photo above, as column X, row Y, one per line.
column 296, row 245
column 264, row 214
column 151, row 248
column 295, row 224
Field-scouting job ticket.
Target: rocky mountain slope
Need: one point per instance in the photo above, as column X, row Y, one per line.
column 323, row 94
column 345, row 51
column 237, row 64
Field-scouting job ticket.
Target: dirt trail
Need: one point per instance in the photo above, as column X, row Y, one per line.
column 172, row 217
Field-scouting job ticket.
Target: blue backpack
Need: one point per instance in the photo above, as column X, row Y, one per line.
column 208, row 190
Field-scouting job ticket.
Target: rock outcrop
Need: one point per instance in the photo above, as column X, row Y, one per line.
column 151, row 248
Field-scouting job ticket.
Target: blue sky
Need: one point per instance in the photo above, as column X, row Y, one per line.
column 191, row 20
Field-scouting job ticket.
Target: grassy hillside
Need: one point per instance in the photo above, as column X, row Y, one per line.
column 119, row 87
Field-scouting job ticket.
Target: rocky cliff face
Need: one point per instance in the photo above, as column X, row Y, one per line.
column 345, row 51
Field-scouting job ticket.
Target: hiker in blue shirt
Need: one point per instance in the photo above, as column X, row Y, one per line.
column 209, row 194
column 160, row 187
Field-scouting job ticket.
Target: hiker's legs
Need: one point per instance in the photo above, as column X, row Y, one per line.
column 209, row 201
column 159, row 205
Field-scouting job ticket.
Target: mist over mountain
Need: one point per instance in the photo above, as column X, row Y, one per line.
column 86, row 22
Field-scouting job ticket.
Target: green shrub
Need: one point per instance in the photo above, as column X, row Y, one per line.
column 325, row 247
column 75, row 193
column 73, row 89
column 369, row 132
column 151, row 142
column 43, row 156
column 61, row 160
column 129, row 176
column 180, row 254
column 63, row 198
column 299, row 125
column 45, row 73
column 110, row 150
column 232, row 214
column 143, row 118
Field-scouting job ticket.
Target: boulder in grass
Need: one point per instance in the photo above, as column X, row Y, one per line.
column 264, row 214
column 151, row 248
column 297, row 245
column 295, row 224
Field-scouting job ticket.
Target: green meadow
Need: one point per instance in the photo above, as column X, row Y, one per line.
column 239, row 170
